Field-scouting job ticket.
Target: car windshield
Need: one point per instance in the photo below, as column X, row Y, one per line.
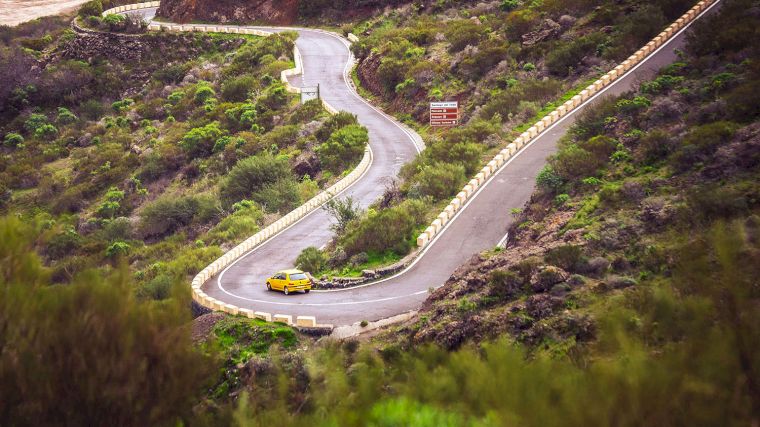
column 298, row 276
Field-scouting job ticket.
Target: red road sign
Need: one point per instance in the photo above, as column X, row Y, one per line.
column 444, row 113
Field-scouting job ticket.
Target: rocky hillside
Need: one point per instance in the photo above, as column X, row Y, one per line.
column 623, row 209
column 281, row 12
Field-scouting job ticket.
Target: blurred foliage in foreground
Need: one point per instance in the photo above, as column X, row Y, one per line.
column 89, row 353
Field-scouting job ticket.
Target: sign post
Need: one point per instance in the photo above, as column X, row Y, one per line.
column 444, row 114
column 309, row 93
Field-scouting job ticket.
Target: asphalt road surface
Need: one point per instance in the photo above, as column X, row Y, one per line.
column 480, row 225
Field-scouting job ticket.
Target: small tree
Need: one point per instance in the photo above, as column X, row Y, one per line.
column 344, row 147
column 311, row 259
column 343, row 212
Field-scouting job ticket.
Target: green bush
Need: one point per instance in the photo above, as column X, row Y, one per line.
column 203, row 92
column 281, row 136
column 279, row 196
column 387, row 230
column 118, row 249
column 509, row 5
column 168, row 214
column 122, row 105
column 312, row 260
column 237, row 89
column 199, row 142
column 343, row 212
column 440, row 180
column 344, row 148
column 701, row 142
column 333, row 123
column 13, row 139
column 172, row 74
column 91, row 8
column 252, row 174
column 35, row 122
column 632, row 106
column 461, row 33
column 560, row 60
column 65, row 116
column 504, row 284
column 567, row 257
column 115, row 22
column 549, row 180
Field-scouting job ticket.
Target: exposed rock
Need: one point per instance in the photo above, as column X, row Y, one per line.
column 547, row 30
column 548, row 277
column 567, row 21
column 620, row 282
column 367, row 73
column 542, row 305
column 310, row 128
column 307, row 163
column 598, row 266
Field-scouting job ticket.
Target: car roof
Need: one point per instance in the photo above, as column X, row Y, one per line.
column 291, row 271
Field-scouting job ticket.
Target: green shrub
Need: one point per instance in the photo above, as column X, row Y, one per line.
column 172, row 73
column 13, row 139
column 199, row 142
column 122, row 105
column 549, row 180
column 237, row 89
column 118, row 249
column 573, row 163
column 168, row 214
column 343, row 212
column 281, row 136
column 312, row 260
column 701, row 142
column 561, row 59
column 504, row 284
column 203, row 92
column 252, row 174
column 279, row 196
column 387, row 230
column 45, row 131
column 91, row 8
column 661, row 84
column 34, row 122
column 440, row 180
column 461, row 33
column 344, row 148
column 632, row 106
column 65, row 116
column 567, row 257
column 115, row 22
column 509, row 5
column 333, row 123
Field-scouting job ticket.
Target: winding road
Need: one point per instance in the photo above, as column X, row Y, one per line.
column 481, row 224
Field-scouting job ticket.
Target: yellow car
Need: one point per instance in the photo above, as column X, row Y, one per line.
column 288, row 281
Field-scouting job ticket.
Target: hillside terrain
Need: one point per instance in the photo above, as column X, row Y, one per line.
column 506, row 63
column 160, row 151
column 627, row 292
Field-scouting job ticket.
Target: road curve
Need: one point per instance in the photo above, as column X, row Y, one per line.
column 481, row 224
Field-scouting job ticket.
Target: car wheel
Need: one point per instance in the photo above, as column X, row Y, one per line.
column 285, row 290
column 269, row 286
column 307, row 291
